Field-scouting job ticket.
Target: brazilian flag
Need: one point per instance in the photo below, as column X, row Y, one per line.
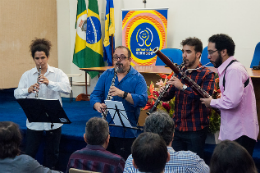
column 109, row 32
column 94, row 47
column 79, row 56
column 88, row 50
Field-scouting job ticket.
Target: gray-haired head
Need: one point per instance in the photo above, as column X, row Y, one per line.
column 161, row 123
column 96, row 131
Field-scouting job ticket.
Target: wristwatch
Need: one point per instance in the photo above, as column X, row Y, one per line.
column 184, row 87
column 125, row 95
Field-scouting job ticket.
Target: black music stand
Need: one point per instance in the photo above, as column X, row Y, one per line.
column 118, row 115
column 44, row 110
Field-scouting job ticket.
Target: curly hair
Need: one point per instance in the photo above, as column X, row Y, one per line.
column 161, row 123
column 223, row 41
column 40, row 44
column 10, row 139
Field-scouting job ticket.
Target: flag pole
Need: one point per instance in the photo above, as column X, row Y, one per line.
column 112, row 48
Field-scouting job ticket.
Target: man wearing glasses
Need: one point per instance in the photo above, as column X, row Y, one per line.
column 237, row 103
column 129, row 88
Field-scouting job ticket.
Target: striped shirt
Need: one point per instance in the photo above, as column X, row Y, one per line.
column 181, row 162
column 96, row 158
column 190, row 114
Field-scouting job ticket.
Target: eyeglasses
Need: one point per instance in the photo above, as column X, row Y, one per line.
column 211, row 52
column 121, row 57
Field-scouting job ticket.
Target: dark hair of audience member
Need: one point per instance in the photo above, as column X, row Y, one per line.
column 96, row 131
column 10, row 139
column 230, row 157
column 149, row 152
column 161, row 123
column 40, row 44
column 223, row 41
column 193, row 41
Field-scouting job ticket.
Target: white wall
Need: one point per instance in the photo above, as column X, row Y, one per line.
column 195, row 18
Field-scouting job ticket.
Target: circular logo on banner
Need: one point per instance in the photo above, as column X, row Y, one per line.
column 93, row 34
column 142, row 31
column 143, row 39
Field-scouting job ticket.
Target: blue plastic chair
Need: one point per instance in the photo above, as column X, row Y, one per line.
column 175, row 55
column 204, row 57
column 256, row 57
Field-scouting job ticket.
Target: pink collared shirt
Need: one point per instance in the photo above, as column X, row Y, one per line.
column 237, row 103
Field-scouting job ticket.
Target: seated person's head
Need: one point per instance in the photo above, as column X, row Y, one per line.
column 161, row 123
column 149, row 153
column 10, row 139
column 230, row 157
column 97, row 132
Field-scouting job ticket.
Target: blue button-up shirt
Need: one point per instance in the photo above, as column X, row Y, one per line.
column 132, row 83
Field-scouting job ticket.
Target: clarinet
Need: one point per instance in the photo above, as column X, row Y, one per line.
column 109, row 97
column 39, row 73
column 167, row 86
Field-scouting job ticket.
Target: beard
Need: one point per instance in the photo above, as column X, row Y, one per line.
column 188, row 63
column 120, row 67
column 218, row 61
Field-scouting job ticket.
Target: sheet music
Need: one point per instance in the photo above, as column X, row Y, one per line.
column 111, row 108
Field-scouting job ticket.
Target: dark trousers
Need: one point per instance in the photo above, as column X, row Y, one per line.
column 190, row 141
column 51, row 150
column 247, row 143
column 120, row 146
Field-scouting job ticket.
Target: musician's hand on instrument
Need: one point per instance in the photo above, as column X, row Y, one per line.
column 206, row 101
column 100, row 107
column 161, row 89
column 33, row 88
column 114, row 91
column 43, row 79
column 176, row 82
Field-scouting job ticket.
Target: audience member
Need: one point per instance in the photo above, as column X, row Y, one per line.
column 182, row 161
column 95, row 157
column 230, row 157
column 11, row 161
column 150, row 153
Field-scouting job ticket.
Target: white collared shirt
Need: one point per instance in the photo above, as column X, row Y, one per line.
column 58, row 83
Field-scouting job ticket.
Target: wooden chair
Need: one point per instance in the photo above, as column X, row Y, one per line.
column 73, row 170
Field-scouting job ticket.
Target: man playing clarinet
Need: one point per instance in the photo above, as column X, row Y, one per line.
column 191, row 116
column 124, row 84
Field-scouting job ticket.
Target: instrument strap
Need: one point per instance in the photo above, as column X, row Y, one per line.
column 224, row 79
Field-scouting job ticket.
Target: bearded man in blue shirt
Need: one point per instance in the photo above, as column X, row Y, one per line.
column 129, row 88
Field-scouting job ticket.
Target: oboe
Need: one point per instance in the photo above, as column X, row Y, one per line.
column 109, row 97
column 39, row 73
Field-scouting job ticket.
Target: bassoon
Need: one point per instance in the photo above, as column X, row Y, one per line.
column 200, row 91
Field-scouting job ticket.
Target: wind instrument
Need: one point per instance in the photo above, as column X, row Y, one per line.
column 109, row 97
column 200, row 91
column 38, row 81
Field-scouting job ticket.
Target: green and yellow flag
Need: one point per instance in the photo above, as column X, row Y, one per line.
column 79, row 56
column 92, row 54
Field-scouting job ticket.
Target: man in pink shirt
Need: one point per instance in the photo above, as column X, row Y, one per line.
column 237, row 103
